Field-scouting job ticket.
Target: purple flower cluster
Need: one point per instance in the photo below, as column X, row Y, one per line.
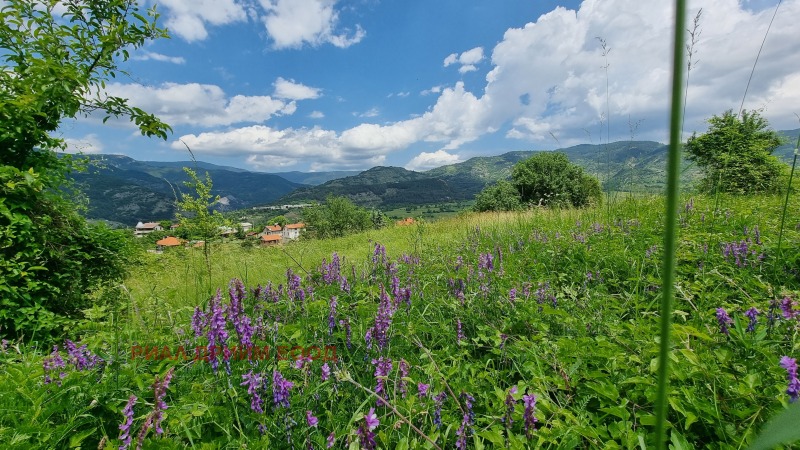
column 437, row 413
column 254, row 381
column 741, row 252
column 528, row 418
column 331, row 272
column 345, row 323
column 379, row 258
column 383, row 366
column 235, row 313
column 125, row 427
column 422, row 390
column 383, row 319
column 459, row 331
column 787, row 308
column 160, row 390
column 80, row 356
column 486, row 262
column 752, row 314
column 332, row 314
column 280, row 390
column 545, row 294
column 793, row 389
column 724, row 320
column 365, row 431
column 403, row 370
column 510, row 402
column 51, row 364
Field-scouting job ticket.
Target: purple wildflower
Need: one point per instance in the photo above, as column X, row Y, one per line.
column 51, row 363
column 383, row 320
column 280, row 389
column 512, row 295
column 326, row 372
column 486, row 262
column 346, row 324
column 461, row 433
column 383, row 366
column 403, row 369
column 422, row 390
column 331, row 440
column 81, row 357
column 793, row 389
column 459, row 332
column 199, row 322
column 469, row 400
column 365, row 434
column 253, row 381
column 724, row 320
column 148, row 423
column 217, row 335
column 529, row 400
column 437, row 413
column 510, row 404
column 332, row 315
column 752, row 314
column 160, row 390
column 787, row 308
column 310, row 419
column 125, row 427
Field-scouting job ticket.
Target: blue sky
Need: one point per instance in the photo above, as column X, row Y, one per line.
column 312, row 85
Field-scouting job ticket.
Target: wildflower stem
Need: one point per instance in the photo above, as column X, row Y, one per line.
column 394, row 410
column 444, row 380
column 673, row 172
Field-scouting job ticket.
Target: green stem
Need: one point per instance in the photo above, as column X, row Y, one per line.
column 668, row 275
column 786, row 202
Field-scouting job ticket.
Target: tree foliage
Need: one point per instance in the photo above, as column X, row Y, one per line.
column 736, row 154
column 502, row 196
column 550, row 179
column 54, row 59
column 337, row 217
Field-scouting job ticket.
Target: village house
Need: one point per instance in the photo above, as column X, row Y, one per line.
column 272, row 229
column 406, row 221
column 271, row 239
column 142, row 229
column 292, row 231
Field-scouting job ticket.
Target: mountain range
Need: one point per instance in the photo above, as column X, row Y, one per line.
column 123, row 190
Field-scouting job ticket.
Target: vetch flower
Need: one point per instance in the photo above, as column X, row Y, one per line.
column 280, row 389
column 160, row 390
column 331, row 440
column 345, row 323
column 422, row 390
column 365, row 434
column 332, row 315
column 752, row 314
column 51, row 363
column 724, row 320
column 253, row 381
column 403, row 369
column 383, row 366
column 793, row 388
column 310, row 419
column 125, row 427
column 510, row 402
column 787, row 308
column 529, row 400
column 437, row 413
column 325, row 372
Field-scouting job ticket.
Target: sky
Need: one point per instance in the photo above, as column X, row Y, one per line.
column 318, row 85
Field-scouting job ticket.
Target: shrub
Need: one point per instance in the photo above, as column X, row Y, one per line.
column 550, row 179
column 502, row 196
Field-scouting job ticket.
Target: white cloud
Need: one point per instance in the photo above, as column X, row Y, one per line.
column 288, row 89
column 372, row 112
column 200, row 104
column 294, row 23
column 426, row 161
column 188, row 18
column 317, row 115
column 88, row 145
column 468, row 59
column 433, row 90
column 146, row 56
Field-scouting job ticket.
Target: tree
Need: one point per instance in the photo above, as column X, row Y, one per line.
column 735, row 154
column 54, row 66
column 280, row 220
column 502, row 196
column 337, row 217
column 198, row 218
column 550, row 179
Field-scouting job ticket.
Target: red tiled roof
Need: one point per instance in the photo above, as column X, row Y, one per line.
column 271, row 237
column 274, row 227
column 406, row 221
column 169, row 241
column 295, row 226
column 148, row 225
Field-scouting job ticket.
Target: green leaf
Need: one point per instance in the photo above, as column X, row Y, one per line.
column 781, row 429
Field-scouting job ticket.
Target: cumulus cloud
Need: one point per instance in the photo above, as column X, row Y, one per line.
column 433, row 90
column 372, row 112
column 426, row 160
column 468, row 59
column 317, row 115
column 200, row 104
column 147, row 56
column 187, row 19
column 294, row 23
column 288, row 89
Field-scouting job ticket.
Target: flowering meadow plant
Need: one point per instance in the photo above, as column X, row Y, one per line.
column 524, row 333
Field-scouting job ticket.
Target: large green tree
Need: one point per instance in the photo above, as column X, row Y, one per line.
column 55, row 57
column 550, row 179
column 502, row 196
column 735, row 154
column 337, row 217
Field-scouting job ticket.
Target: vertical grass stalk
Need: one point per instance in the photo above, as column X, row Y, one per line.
column 786, row 204
column 670, row 233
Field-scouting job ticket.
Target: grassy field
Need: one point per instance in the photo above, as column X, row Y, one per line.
column 496, row 330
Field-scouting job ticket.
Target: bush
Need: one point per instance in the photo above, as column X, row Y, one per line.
column 736, row 154
column 549, row 179
column 337, row 217
column 502, row 196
